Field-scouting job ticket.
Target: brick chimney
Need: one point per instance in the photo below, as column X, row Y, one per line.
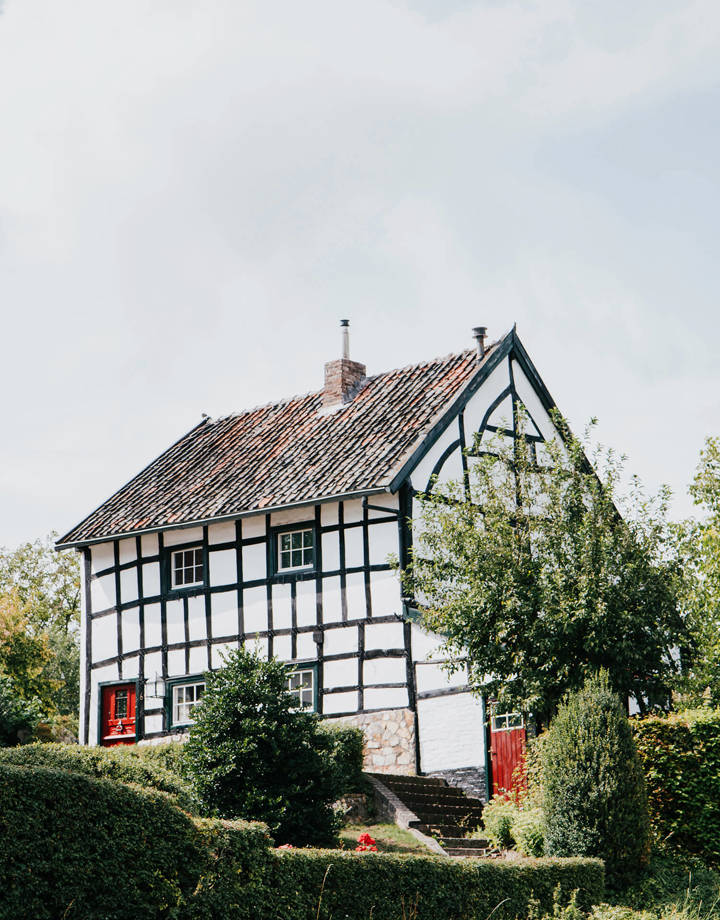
column 342, row 377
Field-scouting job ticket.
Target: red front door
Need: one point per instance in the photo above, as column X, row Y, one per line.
column 117, row 720
column 507, row 749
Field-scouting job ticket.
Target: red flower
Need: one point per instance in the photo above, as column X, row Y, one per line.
column 286, row 846
column 366, row 844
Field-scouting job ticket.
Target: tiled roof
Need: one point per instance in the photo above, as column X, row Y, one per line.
column 286, row 452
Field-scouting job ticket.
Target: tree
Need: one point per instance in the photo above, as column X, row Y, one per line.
column 699, row 546
column 18, row 717
column 536, row 580
column 594, row 796
column 45, row 586
column 252, row 755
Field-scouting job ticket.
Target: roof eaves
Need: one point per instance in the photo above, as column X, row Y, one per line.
column 219, row 519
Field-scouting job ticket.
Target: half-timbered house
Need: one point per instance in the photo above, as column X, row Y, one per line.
column 273, row 529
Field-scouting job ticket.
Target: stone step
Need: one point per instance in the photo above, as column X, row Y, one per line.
column 435, row 798
column 392, row 779
column 457, row 812
column 467, row 852
column 437, row 830
column 469, row 843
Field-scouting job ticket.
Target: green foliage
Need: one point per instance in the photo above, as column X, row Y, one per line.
column 344, row 748
column 498, row 818
column 514, row 823
column 357, row 887
column 41, row 587
column 534, row 576
column 528, row 831
column 18, row 717
column 594, row 797
column 76, row 847
column 121, row 764
column 680, row 754
column 252, row 755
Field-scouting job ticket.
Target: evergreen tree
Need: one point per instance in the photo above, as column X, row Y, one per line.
column 594, row 796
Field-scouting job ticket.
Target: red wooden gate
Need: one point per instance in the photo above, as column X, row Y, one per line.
column 117, row 715
column 507, row 748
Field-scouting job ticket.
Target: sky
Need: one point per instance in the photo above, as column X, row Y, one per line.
column 192, row 195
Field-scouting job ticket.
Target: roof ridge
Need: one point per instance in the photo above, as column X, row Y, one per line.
column 300, row 396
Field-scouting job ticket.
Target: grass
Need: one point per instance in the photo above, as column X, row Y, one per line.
column 389, row 838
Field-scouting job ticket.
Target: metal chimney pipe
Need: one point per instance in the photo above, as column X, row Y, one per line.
column 345, row 330
column 479, row 333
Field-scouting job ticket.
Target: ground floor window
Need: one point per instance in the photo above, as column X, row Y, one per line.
column 302, row 683
column 185, row 696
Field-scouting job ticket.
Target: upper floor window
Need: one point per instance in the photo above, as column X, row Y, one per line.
column 301, row 683
column 187, row 567
column 296, row 549
column 184, row 699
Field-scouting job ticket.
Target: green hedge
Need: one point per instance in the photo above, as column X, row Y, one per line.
column 129, row 765
column 345, row 746
column 76, row 847
column 681, row 759
column 72, row 846
column 382, row 886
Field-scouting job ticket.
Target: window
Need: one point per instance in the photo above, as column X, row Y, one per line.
column 301, row 683
column 187, row 567
column 296, row 549
column 121, row 704
column 184, row 699
column 506, row 721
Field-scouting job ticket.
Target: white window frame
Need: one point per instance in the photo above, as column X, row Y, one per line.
column 187, row 584
column 497, row 725
column 305, row 565
column 175, row 718
column 298, row 691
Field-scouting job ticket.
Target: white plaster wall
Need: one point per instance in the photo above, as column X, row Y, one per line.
column 385, row 698
column 223, row 567
column 151, row 579
column 490, row 389
column 224, row 613
column 102, row 593
column 153, row 628
column 340, row 702
column 254, row 561
column 352, row 511
column 328, row 514
column 385, row 593
column 339, row 640
column 451, row 732
column 430, row 676
column 382, row 542
column 130, row 630
column 307, row 649
column 282, row 607
column 421, row 473
column 292, row 516
column 384, row 671
column 175, row 618
column 305, row 603
column 128, row 550
column 354, row 556
column 104, row 637
column 129, row 585
column 176, row 662
column 383, row 501
column 384, row 635
column 220, row 649
column 98, row 675
column 149, row 544
column 253, row 526
column 340, row 673
column 198, row 659
column 102, row 556
column 197, row 622
column 83, row 647
column 355, row 595
column 221, row 533
column 330, row 551
column 332, row 600
column 282, row 647
column 182, row 535
column 255, row 609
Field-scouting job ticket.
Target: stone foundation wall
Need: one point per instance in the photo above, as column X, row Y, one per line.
column 470, row 779
column 389, row 739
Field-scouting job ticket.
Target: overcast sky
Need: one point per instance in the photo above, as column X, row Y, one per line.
column 192, row 194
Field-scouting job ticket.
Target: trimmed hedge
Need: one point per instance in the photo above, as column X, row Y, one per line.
column 76, row 847
column 681, row 759
column 381, row 886
column 119, row 764
column 73, row 846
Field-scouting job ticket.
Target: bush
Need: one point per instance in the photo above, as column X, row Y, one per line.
column 76, row 847
column 594, row 797
column 344, row 746
column 498, row 818
column 252, row 755
column 528, row 831
column 18, row 717
column 119, row 764
column 680, row 755
column 168, row 755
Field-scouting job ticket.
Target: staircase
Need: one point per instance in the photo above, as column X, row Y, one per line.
column 443, row 812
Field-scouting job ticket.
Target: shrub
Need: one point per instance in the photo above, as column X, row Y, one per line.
column 344, row 746
column 76, row 847
column 498, row 818
column 168, row 755
column 528, row 831
column 18, row 717
column 680, row 754
column 252, row 755
column 594, row 797
column 119, row 764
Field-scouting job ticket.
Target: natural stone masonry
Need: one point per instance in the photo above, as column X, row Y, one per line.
column 470, row 779
column 389, row 740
